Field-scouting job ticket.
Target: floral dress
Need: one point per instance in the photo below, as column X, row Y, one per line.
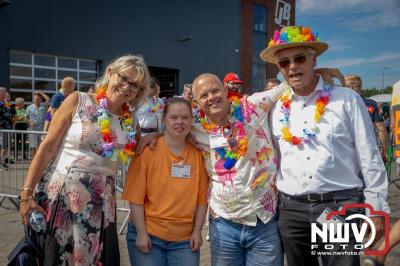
column 77, row 191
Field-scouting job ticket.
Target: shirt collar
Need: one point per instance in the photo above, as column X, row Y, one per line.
column 319, row 87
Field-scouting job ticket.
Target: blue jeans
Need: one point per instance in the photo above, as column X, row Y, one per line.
column 163, row 253
column 237, row 244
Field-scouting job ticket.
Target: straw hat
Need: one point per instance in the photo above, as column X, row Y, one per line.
column 292, row 36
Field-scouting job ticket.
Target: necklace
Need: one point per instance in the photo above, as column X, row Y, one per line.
column 108, row 146
column 320, row 105
column 154, row 104
column 234, row 133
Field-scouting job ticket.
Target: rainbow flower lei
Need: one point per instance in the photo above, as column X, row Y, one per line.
column 293, row 34
column 237, row 143
column 320, row 105
column 103, row 120
column 154, row 104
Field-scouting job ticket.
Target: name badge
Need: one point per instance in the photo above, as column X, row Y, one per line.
column 217, row 140
column 334, row 219
column 180, row 170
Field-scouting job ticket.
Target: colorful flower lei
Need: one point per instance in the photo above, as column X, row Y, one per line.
column 103, row 121
column 293, row 34
column 320, row 105
column 154, row 104
column 237, row 143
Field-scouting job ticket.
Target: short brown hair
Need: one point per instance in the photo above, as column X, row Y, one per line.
column 38, row 94
column 176, row 100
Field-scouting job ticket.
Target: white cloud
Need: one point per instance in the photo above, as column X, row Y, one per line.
column 388, row 57
column 337, row 45
column 327, row 8
column 359, row 15
column 383, row 19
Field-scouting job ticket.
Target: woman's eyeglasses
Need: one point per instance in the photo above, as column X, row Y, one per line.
column 297, row 59
column 122, row 80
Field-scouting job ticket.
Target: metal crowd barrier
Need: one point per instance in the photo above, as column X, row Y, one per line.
column 15, row 158
column 119, row 187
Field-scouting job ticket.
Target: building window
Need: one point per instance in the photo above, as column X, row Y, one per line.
column 259, row 43
column 30, row 72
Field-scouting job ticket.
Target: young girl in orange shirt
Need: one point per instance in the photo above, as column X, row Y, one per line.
column 166, row 187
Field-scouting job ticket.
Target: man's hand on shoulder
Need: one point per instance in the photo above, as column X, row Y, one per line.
column 148, row 140
column 328, row 74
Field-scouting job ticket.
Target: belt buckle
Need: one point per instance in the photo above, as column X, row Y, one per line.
column 312, row 200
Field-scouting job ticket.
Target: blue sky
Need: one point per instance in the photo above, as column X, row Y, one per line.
column 363, row 36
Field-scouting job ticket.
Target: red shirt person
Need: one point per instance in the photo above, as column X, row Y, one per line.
column 233, row 84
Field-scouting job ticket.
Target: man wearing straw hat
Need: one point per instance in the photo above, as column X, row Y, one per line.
column 325, row 137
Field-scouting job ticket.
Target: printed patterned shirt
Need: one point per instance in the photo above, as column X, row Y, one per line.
column 36, row 116
column 248, row 190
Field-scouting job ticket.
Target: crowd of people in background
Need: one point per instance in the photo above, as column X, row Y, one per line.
column 15, row 114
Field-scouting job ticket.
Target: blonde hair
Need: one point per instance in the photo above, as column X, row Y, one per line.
column 353, row 77
column 19, row 100
column 67, row 81
column 142, row 76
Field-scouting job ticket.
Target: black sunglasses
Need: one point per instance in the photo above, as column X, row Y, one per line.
column 297, row 59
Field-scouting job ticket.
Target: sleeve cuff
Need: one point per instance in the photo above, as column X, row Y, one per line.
column 377, row 201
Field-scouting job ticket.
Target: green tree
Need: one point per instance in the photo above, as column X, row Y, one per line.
column 374, row 91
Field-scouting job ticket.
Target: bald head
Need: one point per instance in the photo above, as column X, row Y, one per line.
column 202, row 79
column 211, row 95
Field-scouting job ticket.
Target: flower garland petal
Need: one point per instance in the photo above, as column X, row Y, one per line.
column 320, row 106
column 103, row 121
column 230, row 154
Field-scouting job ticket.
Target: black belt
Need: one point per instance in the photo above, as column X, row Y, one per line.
column 148, row 130
column 328, row 196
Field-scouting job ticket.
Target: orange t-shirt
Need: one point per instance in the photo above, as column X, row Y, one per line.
column 169, row 202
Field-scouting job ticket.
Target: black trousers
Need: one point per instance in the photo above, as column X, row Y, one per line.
column 295, row 218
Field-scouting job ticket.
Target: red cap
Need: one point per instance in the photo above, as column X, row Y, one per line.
column 232, row 77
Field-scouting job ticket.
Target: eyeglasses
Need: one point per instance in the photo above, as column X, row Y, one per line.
column 122, row 80
column 297, row 59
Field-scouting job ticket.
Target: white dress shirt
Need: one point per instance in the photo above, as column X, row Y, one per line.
column 345, row 145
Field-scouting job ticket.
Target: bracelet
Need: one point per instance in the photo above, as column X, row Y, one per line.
column 27, row 189
column 26, row 192
column 24, row 199
column 28, row 195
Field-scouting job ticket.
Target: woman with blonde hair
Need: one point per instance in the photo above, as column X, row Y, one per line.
column 71, row 178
